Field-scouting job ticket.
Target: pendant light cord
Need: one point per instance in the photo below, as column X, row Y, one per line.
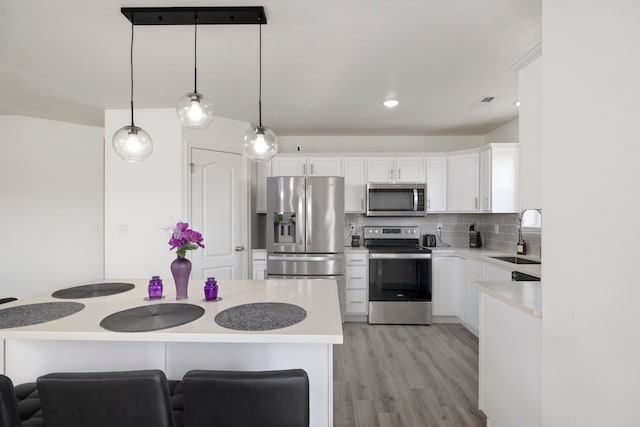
column 131, row 69
column 195, row 56
column 260, row 75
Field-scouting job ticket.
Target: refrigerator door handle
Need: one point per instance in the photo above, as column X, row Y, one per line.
column 309, row 219
column 302, row 259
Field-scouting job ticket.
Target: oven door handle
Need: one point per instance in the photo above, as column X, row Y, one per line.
column 399, row 256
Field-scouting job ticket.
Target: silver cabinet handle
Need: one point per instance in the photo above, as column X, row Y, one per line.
column 428, row 203
column 304, row 169
column 362, row 203
column 356, row 302
column 391, row 174
column 356, row 277
column 398, row 174
column 311, row 169
column 476, row 204
column 239, row 248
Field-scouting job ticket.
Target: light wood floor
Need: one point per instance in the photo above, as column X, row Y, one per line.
column 391, row 375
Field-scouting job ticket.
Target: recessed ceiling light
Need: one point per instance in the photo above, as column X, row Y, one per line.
column 390, row 103
column 517, row 104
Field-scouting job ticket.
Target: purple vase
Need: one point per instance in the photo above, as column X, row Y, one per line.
column 181, row 269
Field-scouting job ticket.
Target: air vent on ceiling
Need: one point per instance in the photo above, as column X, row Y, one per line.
column 482, row 102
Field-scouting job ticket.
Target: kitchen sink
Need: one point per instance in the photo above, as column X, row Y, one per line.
column 515, row 260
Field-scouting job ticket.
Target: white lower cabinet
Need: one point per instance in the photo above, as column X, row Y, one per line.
column 356, row 283
column 259, row 264
column 474, row 272
column 448, row 272
column 453, row 293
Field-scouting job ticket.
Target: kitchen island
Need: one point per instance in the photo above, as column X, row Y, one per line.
column 77, row 342
column 510, row 353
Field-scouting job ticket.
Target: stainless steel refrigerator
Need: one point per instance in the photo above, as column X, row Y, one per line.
column 305, row 229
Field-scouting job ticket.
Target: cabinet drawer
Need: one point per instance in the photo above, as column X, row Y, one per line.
column 356, row 277
column 356, row 302
column 357, row 259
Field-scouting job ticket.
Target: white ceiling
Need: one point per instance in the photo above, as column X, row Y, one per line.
column 327, row 64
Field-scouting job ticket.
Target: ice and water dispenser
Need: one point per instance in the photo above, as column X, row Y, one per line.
column 284, row 227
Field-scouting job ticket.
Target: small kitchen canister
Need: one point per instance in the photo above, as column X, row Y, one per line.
column 211, row 289
column 155, row 287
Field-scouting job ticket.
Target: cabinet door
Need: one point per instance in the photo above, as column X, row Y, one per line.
column 446, row 275
column 380, row 169
column 409, row 169
column 436, row 183
column 485, row 180
column 356, row 277
column 463, row 176
column 324, row 166
column 496, row 274
column 474, row 273
column 356, row 302
column 263, row 170
column 288, row 166
column 354, row 184
column 259, row 271
column 504, row 180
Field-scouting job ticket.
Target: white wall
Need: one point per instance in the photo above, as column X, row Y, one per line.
column 50, row 205
column 142, row 198
column 509, row 132
column 145, row 197
column 370, row 144
column 591, row 147
column 530, row 94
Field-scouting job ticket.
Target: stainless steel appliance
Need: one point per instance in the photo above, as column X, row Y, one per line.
column 396, row 199
column 429, row 240
column 305, row 229
column 399, row 276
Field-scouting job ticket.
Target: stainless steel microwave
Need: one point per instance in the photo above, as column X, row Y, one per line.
column 396, row 199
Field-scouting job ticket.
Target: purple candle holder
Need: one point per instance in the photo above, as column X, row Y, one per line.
column 155, row 287
column 211, row 289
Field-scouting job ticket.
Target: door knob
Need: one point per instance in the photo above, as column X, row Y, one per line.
column 239, row 248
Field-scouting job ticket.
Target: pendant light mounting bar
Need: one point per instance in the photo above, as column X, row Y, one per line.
column 222, row 15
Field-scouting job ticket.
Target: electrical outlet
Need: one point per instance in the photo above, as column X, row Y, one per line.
column 439, row 226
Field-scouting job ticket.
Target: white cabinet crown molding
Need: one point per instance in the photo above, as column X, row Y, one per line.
column 526, row 59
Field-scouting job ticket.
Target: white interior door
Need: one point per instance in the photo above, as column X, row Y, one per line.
column 218, row 210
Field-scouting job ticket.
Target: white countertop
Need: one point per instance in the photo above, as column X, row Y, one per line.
column 318, row 297
column 525, row 296
column 485, row 254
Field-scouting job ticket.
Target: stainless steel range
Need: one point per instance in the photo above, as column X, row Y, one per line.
column 399, row 276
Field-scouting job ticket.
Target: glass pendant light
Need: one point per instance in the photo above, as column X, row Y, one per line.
column 131, row 142
column 194, row 109
column 260, row 143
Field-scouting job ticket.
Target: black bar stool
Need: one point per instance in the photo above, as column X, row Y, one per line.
column 246, row 399
column 106, row 399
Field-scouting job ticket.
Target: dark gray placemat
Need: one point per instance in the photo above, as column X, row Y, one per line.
column 261, row 316
column 93, row 290
column 152, row 317
column 31, row 314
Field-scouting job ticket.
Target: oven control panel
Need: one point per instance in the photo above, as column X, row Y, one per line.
column 395, row 232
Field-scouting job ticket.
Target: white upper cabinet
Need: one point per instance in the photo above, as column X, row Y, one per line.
column 499, row 178
column 263, row 170
column 436, row 183
column 306, row 166
column 354, row 184
column 463, row 182
column 380, row 169
column 395, row 169
column 324, row 166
